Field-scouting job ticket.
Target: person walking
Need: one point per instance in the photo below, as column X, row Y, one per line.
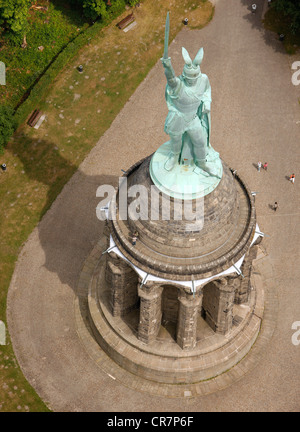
column 259, row 164
column 265, row 166
column 292, row 178
column 275, row 206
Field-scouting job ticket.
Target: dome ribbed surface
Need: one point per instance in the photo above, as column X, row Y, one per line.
column 183, row 249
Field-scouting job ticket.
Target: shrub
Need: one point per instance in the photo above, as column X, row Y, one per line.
column 94, row 9
column 103, row 9
column 14, row 14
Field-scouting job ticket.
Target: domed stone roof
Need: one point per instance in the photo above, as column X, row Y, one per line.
column 179, row 248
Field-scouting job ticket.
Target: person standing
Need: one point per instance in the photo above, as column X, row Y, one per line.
column 259, row 164
column 275, row 206
column 292, row 178
column 265, row 166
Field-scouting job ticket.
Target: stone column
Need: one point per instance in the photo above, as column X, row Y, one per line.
column 189, row 306
column 122, row 283
column 234, row 281
column 243, row 291
column 150, row 312
column 218, row 305
column 106, row 233
column 226, row 301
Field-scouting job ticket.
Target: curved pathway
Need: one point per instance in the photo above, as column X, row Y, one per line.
column 255, row 115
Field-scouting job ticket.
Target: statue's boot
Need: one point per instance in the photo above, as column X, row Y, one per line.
column 172, row 160
column 208, row 167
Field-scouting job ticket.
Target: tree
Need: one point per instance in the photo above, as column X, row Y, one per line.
column 7, row 125
column 94, row 9
column 291, row 9
column 104, row 9
column 13, row 15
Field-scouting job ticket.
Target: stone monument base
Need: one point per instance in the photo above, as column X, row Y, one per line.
column 163, row 361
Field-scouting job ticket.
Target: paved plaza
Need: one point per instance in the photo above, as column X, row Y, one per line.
column 255, row 116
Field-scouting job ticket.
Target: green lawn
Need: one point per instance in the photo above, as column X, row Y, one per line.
column 50, row 30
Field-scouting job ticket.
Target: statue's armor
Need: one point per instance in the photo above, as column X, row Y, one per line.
column 188, row 99
column 183, row 104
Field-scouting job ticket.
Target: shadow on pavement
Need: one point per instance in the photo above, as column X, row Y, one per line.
column 69, row 226
column 256, row 20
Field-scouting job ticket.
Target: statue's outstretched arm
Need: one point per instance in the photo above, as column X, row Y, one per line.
column 169, row 72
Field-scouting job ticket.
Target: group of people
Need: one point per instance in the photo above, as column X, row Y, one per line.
column 265, row 167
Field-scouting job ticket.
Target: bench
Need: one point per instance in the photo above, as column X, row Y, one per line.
column 36, row 119
column 129, row 19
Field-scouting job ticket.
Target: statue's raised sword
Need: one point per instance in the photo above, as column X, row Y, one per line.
column 167, row 28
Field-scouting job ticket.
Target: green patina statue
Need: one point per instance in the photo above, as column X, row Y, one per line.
column 188, row 158
column 188, row 122
column 188, row 98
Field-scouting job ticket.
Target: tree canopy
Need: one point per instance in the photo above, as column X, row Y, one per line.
column 14, row 14
column 291, row 9
column 104, row 8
